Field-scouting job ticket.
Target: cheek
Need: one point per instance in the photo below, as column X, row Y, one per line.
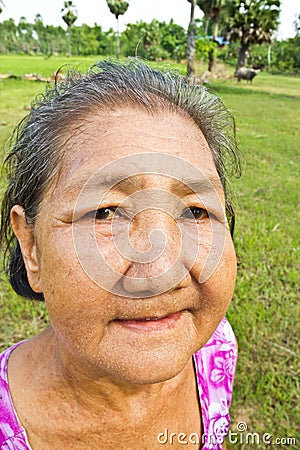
column 62, row 275
column 98, row 256
column 215, row 251
column 215, row 270
column 111, row 251
column 215, row 293
column 77, row 307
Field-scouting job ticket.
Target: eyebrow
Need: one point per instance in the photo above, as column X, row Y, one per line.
column 127, row 183
column 109, row 182
column 204, row 184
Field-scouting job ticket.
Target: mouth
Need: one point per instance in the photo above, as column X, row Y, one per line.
column 154, row 323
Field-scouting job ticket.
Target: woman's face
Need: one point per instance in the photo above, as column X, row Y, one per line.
column 136, row 275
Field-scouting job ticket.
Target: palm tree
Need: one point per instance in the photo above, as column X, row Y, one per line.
column 252, row 22
column 191, row 39
column 1, row 3
column 212, row 10
column 118, row 8
column 69, row 17
column 297, row 24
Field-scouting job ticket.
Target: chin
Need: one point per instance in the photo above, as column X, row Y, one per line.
column 154, row 376
column 149, row 376
column 150, row 368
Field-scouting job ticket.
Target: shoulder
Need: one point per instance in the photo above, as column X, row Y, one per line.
column 224, row 333
column 12, row 435
column 218, row 356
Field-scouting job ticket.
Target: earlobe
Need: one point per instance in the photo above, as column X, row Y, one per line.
column 25, row 235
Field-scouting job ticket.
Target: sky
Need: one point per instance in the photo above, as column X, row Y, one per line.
column 96, row 11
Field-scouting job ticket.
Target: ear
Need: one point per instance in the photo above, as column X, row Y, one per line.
column 25, row 235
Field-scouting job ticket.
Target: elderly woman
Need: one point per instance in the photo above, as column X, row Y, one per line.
column 117, row 216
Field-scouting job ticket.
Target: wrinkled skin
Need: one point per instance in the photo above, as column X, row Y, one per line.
column 97, row 342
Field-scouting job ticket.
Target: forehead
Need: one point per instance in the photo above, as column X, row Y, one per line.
column 123, row 135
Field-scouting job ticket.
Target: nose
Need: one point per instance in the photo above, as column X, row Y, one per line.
column 156, row 255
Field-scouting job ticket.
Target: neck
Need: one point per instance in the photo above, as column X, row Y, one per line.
column 96, row 391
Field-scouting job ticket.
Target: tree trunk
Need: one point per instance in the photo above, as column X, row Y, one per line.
column 215, row 31
column 206, row 26
column 211, row 60
column 212, row 54
column 191, row 39
column 243, row 56
column 118, row 39
column 69, row 43
column 269, row 57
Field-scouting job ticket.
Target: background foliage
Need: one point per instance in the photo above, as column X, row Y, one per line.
column 154, row 41
column 265, row 309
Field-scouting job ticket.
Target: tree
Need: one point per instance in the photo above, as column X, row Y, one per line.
column 173, row 40
column 250, row 22
column 191, row 42
column 145, row 40
column 40, row 31
column 69, row 17
column 49, row 39
column 118, row 8
column 88, row 40
column 9, row 38
column 25, row 34
column 297, row 24
column 212, row 10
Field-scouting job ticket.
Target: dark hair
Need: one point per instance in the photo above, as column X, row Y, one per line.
column 37, row 143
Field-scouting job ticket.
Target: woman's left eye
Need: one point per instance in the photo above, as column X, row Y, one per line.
column 194, row 213
column 103, row 213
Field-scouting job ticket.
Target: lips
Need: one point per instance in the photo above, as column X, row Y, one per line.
column 151, row 323
column 146, row 319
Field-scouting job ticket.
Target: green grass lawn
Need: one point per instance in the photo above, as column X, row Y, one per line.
column 41, row 65
column 265, row 308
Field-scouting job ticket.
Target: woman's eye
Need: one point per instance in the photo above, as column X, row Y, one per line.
column 194, row 213
column 103, row 213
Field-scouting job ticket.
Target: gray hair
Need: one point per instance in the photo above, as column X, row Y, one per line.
column 37, row 143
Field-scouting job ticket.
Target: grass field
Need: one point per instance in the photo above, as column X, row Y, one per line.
column 265, row 308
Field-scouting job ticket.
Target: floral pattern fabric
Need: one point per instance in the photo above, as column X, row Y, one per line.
column 12, row 435
column 214, row 365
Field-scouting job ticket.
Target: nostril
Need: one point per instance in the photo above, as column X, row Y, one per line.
column 144, row 294
column 133, row 290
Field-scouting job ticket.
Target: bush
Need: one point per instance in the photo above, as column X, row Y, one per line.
column 203, row 46
column 285, row 55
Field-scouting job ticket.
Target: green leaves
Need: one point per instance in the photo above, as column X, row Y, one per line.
column 251, row 21
column 117, row 7
column 69, row 18
column 212, row 8
column 1, row 3
column 70, row 13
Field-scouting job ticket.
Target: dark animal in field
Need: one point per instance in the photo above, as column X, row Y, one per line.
column 246, row 74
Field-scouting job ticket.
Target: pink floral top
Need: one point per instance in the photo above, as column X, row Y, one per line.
column 214, row 365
